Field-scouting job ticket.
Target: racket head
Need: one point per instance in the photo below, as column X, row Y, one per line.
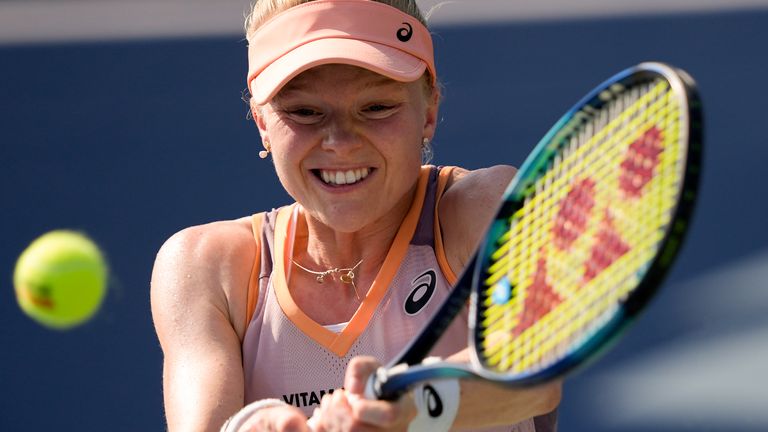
column 588, row 228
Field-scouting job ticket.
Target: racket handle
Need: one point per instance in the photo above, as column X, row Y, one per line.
column 370, row 387
column 374, row 387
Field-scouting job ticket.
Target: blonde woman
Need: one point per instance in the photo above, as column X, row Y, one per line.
column 271, row 318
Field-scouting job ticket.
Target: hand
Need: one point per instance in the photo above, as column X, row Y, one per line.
column 279, row 418
column 348, row 409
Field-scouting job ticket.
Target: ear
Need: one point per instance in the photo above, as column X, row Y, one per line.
column 258, row 118
column 433, row 109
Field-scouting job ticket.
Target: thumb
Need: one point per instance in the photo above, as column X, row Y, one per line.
column 358, row 372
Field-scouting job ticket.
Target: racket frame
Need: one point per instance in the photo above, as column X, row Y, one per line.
column 683, row 87
column 405, row 370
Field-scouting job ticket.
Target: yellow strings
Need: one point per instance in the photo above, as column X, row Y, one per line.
column 596, row 152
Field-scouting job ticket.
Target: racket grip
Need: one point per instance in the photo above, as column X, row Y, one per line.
column 373, row 385
column 370, row 393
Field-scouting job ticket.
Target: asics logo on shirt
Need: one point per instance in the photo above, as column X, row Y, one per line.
column 422, row 290
column 404, row 33
column 432, row 401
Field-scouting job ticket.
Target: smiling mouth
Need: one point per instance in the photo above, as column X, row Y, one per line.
column 342, row 177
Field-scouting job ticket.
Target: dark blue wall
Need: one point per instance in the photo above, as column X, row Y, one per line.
column 131, row 142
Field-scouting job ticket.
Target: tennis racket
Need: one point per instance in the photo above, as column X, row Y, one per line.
column 583, row 237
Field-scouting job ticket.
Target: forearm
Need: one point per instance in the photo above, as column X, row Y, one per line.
column 486, row 404
column 483, row 403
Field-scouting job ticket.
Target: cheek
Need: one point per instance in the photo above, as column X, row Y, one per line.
column 288, row 144
column 407, row 141
column 404, row 132
column 289, row 177
column 286, row 161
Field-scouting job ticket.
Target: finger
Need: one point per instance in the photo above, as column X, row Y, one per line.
column 334, row 413
column 358, row 371
column 383, row 414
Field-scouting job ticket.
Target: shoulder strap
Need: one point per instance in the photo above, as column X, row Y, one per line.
column 257, row 221
column 442, row 260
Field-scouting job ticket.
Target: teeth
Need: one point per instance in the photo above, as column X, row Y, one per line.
column 344, row 177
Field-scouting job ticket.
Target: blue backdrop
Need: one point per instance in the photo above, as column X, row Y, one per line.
column 133, row 141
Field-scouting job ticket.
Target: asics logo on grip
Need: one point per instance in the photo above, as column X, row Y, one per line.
column 404, row 33
column 421, row 293
column 432, row 401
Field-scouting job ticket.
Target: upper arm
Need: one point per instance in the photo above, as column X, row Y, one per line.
column 198, row 287
column 466, row 208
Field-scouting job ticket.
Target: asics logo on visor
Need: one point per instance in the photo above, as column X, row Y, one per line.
column 404, row 34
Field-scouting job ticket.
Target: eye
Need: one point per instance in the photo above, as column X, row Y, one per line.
column 379, row 110
column 304, row 115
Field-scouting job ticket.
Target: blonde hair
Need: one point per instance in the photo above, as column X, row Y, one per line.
column 263, row 10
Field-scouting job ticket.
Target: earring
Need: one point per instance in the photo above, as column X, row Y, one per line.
column 426, row 151
column 267, row 148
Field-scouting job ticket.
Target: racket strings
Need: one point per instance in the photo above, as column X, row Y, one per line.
column 557, row 187
column 603, row 152
column 574, row 249
column 593, row 309
column 546, row 202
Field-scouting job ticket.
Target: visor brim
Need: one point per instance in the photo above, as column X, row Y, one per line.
column 382, row 59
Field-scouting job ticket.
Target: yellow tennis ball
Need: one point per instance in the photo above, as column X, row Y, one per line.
column 60, row 279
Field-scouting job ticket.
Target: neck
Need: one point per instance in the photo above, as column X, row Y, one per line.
column 322, row 246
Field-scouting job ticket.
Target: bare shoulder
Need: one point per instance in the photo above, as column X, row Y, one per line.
column 198, row 291
column 466, row 208
column 491, row 180
column 204, row 269
column 206, row 245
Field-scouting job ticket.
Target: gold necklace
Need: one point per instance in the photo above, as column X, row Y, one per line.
column 346, row 275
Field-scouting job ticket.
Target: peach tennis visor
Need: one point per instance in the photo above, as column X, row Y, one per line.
column 361, row 33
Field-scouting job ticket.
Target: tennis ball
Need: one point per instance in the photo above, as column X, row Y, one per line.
column 60, row 279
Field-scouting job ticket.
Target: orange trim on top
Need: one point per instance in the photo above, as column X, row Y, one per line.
column 340, row 343
column 283, row 227
column 252, row 296
column 442, row 259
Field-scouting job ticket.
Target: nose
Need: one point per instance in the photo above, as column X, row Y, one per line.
column 341, row 135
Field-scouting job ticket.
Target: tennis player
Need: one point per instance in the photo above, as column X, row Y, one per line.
column 271, row 318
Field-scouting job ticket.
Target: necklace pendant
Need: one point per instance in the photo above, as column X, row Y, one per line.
column 347, row 278
column 320, row 278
